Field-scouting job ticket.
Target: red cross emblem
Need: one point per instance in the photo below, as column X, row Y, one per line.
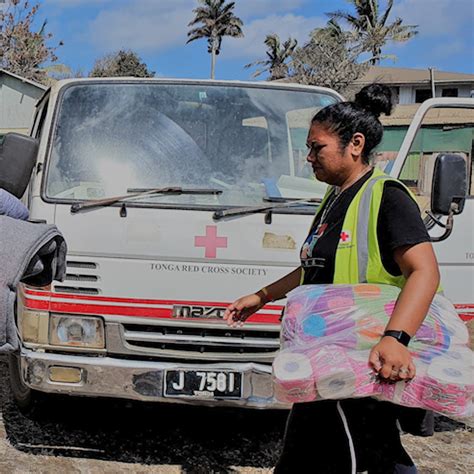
column 210, row 241
column 345, row 236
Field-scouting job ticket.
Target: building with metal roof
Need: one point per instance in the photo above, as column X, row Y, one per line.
column 412, row 86
column 18, row 97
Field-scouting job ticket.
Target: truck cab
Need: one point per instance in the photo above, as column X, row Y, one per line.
column 139, row 314
column 138, row 175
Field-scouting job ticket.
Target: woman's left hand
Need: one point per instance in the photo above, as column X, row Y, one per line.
column 392, row 360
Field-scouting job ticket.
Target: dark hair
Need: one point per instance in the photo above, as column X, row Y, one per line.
column 361, row 115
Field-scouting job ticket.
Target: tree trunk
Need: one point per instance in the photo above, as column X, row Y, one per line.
column 376, row 52
column 213, row 58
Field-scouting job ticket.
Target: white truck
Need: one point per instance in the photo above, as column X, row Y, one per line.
column 175, row 197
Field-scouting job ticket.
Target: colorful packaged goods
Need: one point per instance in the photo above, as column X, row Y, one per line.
column 329, row 330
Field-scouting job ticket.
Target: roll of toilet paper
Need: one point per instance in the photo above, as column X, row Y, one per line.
column 447, row 399
column 409, row 394
column 462, row 355
column 405, row 393
column 293, row 377
column 367, row 291
column 335, row 377
column 449, row 387
column 456, row 327
column 369, row 330
column 457, row 330
column 293, row 309
column 341, row 303
column 366, row 378
column 288, row 332
column 312, row 326
column 452, row 369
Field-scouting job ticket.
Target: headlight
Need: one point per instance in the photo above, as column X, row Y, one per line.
column 76, row 331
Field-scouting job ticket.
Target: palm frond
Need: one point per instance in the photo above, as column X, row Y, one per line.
column 197, row 33
column 341, row 15
column 384, row 18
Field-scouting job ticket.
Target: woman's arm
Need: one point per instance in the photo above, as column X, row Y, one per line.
column 278, row 289
column 419, row 266
column 237, row 312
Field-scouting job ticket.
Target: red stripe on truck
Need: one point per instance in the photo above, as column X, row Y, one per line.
column 130, row 311
column 48, row 294
column 465, row 315
column 85, row 305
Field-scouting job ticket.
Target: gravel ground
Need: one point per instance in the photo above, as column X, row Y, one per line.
column 107, row 436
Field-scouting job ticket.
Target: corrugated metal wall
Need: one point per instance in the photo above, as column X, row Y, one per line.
column 17, row 104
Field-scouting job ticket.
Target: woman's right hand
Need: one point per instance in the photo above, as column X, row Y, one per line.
column 240, row 310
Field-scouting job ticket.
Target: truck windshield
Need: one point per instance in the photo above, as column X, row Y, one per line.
column 247, row 141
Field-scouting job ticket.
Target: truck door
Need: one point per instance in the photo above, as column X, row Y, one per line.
column 444, row 126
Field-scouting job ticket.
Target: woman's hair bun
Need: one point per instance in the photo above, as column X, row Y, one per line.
column 375, row 98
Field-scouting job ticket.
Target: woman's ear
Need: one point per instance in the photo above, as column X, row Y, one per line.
column 357, row 144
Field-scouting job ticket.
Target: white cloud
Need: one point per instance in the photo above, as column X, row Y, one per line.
column 145, row 26
column 252, row 46
column 435, row 17
column 253, row 8
column 75, row 3
column 153, row 26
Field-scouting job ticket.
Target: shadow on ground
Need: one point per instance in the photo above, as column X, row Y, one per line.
column 199, row 439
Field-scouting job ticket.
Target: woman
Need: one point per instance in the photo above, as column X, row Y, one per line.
column 356, row 434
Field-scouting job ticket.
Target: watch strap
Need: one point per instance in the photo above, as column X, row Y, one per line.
column 401, row 336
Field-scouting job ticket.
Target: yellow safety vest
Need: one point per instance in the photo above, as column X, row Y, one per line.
column 358, row 258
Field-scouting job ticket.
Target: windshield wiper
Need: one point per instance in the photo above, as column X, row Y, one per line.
column 79, row 206
column 242, row 211
column 279, row 199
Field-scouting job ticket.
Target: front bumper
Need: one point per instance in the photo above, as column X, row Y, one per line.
column 141, row 380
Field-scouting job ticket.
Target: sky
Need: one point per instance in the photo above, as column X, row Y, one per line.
column 157, row 29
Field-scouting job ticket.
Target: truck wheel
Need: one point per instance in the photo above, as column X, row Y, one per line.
column 27, row 400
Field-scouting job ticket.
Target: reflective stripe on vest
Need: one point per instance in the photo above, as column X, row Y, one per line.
column 359, row 260
column 363, row 227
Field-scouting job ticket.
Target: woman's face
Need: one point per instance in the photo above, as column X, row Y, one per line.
column 331, row 163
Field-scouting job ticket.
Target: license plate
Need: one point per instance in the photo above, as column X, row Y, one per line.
column 203, row 384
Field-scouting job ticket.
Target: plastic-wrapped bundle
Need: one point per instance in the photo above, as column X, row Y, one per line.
column 327, row 334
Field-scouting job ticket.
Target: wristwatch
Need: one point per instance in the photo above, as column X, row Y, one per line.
column 401, row 336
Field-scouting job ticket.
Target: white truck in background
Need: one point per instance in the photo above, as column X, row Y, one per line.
column 175, row 197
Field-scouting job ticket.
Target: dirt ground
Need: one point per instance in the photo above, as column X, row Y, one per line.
column 104, row 436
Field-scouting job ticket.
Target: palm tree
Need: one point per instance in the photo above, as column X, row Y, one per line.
column 372, row 26
column 217, row 20
column 277, row 55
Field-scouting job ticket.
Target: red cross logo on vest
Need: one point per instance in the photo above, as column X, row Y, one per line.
column 210, row 241
column 345, row 237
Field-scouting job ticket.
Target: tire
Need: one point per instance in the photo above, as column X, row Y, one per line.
column 28, row 401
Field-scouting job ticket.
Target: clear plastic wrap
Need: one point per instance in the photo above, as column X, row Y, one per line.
column 329, row 330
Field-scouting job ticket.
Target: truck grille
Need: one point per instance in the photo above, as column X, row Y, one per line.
column 209, row 343
column 81, row 278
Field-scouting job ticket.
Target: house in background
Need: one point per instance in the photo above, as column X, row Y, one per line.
column 18, row 97
column 413, row 86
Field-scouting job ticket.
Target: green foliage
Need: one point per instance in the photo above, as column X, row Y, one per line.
column 334, row 57
column 120, row 64
column 22, row 50
column 216, row 19
column 278, row 55
column 330, row 59
column 372, row 27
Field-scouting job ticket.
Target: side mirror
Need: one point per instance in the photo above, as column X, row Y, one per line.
column 449, row 188
column 17, row 159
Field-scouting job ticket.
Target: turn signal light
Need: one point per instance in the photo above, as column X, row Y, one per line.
column 65, row 374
